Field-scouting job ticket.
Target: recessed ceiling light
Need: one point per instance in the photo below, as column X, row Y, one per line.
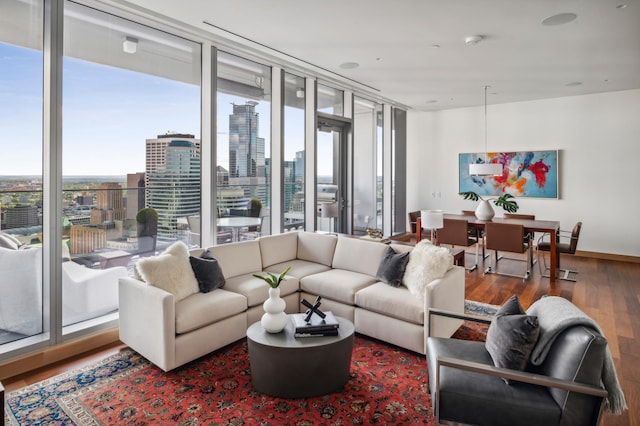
column 432, row 101
column 621, row 6
column 474, row 39
column 559, row 19
column 349, row 65
column 435, row 46
column 573, row 84
column 378, row 59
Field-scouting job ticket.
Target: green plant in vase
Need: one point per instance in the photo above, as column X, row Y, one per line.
column 272, row 279
column 274, row 319
column 484, row 210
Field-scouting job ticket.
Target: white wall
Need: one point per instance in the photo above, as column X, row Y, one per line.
column 599, row 161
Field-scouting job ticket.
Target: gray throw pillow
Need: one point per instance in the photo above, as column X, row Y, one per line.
column 512, row 336
column 392, row 267
column 207, row 272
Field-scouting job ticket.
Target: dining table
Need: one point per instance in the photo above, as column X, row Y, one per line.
column 235, row 223
column 552, row 227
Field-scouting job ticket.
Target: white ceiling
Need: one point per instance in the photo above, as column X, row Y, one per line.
column 393, row 43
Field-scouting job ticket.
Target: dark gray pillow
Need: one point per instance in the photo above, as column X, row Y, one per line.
column 392, row 267
column 207, row 272
column 512, row 336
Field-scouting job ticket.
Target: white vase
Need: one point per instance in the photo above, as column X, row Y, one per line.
column 274, row 319
column 484, row 211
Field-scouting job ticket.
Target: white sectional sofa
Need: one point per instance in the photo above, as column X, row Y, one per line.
column 342, row 270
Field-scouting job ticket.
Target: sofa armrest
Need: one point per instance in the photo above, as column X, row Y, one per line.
column 446, row 293
column 148, row 321
column 467, row 317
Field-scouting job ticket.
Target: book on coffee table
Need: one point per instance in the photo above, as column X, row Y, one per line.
column 321, row 333
column 316, row 323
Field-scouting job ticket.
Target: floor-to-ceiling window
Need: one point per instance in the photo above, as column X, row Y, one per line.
column 131, row 152
column 21, row 97
column 130, row 162
column 243, row 148
column 366, row 181
column 293, row 131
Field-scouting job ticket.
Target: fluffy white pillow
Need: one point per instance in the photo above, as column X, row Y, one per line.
column 426, row 263
column 170, row 271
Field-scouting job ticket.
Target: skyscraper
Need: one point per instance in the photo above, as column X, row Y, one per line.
column 173, row 189
column 247, row 169
column 246, row 149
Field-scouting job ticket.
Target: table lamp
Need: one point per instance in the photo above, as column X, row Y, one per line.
column 329, row 210
column 433, row 220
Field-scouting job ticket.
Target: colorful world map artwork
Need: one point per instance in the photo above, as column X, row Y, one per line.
column 524, row 174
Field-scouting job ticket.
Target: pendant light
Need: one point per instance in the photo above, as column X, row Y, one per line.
column 486, row 168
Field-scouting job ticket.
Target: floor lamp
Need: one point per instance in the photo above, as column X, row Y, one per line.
column 433, row 220
column 329, row 210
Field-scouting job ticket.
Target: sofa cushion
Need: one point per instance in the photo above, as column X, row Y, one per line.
column 511, row 336
column 256, row 290
column 202, row 309
column 358, row 255
column 426, row 263
column 392, row 267
column 238, row 258
column 392, row 302
column 208, row 273
column 337, row 284
column 299, row 268
column 317, row 248
column 279, row 248
column 170, row 271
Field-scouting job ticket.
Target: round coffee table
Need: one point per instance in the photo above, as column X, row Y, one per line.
column 288, row 367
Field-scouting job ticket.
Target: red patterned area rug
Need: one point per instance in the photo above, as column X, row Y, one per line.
column 388, row 385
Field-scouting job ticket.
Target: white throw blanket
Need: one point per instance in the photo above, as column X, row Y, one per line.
column 555, row 315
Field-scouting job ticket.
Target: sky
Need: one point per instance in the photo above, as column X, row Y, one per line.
column 108, row 113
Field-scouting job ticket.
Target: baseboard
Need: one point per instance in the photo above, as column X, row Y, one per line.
column 63, row 351
column 608, row 256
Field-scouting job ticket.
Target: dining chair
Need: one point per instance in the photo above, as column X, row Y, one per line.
column 567, row 247
column 507, row 237
column 456, row 233
column 529, row 236
column 475, row 232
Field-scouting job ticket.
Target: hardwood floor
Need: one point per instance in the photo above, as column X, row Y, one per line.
column 607, row 290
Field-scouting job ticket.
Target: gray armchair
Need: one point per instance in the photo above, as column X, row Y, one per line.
column 565, row 389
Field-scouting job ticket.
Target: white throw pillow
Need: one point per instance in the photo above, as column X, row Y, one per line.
column 426, row 263
column 170, row 271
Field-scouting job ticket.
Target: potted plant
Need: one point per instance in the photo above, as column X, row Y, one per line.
column 274, row 319
column 147, row 219
column 484, row 211
column 254, row 207
column 272, row 279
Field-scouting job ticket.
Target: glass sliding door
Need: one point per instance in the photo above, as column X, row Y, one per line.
column 131, row 153
column 331, row 191
column 21, row 100
column 294, row 155
column 243, row 148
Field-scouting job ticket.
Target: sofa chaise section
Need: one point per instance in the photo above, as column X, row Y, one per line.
column 170, row 334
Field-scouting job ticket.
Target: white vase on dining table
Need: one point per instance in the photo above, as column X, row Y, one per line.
column 484, row 211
